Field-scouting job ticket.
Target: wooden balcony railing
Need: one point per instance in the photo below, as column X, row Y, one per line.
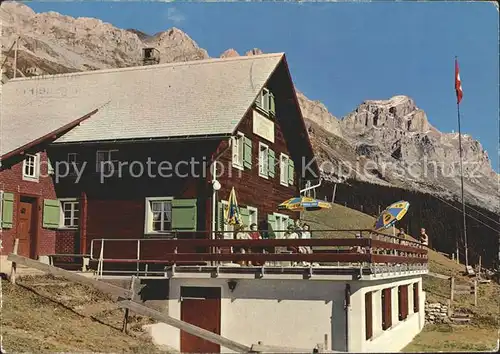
column 197, row 248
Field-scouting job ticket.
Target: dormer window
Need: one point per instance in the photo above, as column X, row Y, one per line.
column 265, row 102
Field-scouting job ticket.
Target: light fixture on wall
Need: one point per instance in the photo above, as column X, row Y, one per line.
column 232, row 284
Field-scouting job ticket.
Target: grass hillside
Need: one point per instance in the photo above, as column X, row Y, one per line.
column 482, row 334
column 44, row 314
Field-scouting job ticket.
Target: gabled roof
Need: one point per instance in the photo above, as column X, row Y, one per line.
column 197, row 98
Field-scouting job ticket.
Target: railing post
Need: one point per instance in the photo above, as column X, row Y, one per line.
column 138, row 256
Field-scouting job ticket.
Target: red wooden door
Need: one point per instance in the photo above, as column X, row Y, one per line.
column 200, row 306
column 25, row 229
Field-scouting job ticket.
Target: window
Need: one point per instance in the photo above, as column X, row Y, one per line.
column 224, row 205
column 368, row 316
column 284, row 169
column 402, row 302
column 104, row 160
column 281, row 224
column 31, row 167
column 265, row 101
column 158, row 214
column 238, row 150
column 416, row 305
column 386, row 309
column 73, row 163
column 252, row 216
column 263, row 160
column 70, row 213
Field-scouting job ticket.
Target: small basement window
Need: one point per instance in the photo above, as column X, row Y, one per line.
column 386, row 309
column 368, row 316
column 403, row 302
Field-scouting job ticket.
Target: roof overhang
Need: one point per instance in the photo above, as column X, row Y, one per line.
column 52, row 135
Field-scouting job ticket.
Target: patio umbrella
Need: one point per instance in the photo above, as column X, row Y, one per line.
column 304, row 203
column 233, row 216
column 390, row 215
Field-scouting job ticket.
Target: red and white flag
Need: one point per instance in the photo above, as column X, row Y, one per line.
column 458, row 83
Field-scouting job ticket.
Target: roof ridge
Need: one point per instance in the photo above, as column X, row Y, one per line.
column 149, row 67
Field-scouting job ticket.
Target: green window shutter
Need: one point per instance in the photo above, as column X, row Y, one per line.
column 271, row 226
column 247, row 153
column 51, row 213
column 184, row 214
column 7, row 210
column 245, row 216
column 272, row 163
column 291, row 172
column 272, row 107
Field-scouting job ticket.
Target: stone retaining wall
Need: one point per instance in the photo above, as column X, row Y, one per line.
column 436, row 313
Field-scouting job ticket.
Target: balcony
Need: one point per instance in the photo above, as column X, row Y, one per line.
column 370, row 255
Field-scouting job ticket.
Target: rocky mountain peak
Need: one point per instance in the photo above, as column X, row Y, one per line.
column 254, row 51
column 230, row 53
column 398, row 112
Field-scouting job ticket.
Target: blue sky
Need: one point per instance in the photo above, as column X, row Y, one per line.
column 344, row 53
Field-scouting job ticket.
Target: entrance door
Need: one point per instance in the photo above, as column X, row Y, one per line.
column 200, row 306
column 26, row 228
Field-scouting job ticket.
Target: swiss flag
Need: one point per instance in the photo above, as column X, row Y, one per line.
column 458, row 83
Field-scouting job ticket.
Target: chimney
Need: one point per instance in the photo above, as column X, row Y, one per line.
column 150, row 56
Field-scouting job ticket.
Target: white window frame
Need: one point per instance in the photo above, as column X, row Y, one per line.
column 266, row 160
column 283, row 219
column 148, row 217
column 254, row 210
column 284, row 169
column 36, row 168
column 73, row 201
column 264, row 99
column 240, row 147
column 226, row 227
column 109, row 158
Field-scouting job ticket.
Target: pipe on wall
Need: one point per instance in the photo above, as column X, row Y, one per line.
column 347, row 305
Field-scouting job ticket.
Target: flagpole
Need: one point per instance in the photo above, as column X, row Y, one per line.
column 462, row 183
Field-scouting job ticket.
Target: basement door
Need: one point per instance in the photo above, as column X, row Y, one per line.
column 26, row 227
column 200, row 306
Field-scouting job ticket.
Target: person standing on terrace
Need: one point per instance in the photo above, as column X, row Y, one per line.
column 424, row 239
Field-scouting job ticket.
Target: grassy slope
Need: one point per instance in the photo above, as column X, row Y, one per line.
column 57, row 318
column 482, row 335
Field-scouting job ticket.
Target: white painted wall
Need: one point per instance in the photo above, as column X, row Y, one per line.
column 299, row 313
column 400, row 334
column 293, row 313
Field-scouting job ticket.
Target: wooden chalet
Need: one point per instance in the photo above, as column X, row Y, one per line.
column 142, row 167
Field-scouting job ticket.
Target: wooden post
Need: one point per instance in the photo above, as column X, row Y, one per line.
column 13, row 268
column 479, row 270
column 452, row 289
column 475, row 292
column 126, row 312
